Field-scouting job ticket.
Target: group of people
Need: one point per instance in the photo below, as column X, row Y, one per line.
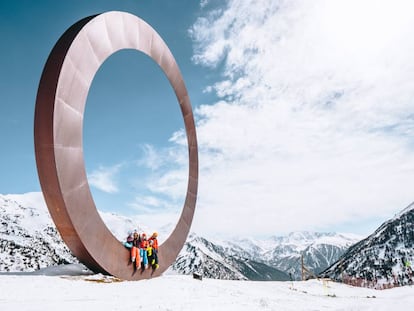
column 144, row 251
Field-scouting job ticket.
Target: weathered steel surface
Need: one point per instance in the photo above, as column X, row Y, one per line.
column 60, row 105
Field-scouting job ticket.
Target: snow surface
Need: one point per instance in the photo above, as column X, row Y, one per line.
column 178, row 292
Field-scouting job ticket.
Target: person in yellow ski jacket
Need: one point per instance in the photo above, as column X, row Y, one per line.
column 152, row 255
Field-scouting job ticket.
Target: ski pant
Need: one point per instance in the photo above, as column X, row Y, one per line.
column 153, row 259
column 143, row 254
column 135, row 255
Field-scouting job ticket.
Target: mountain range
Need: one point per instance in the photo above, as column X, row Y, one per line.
column 28, row 238
column 29, row 241
column 382, row 260
column 274, row 258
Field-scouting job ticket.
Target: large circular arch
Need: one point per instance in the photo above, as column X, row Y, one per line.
column 60, row 104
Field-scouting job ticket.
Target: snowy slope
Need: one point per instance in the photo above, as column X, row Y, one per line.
column 383, row 259
column 177, row 292
column 29, row 241
column 284, row 253
column 214, row 261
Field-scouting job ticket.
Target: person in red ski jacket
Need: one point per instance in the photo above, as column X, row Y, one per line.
column 154, row 254
column 143, row 251
column 155, row 241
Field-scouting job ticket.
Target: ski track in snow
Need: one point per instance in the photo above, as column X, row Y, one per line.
column 177, row 292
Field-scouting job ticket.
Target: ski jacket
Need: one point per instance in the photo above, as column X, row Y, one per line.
column 143, row 244
column 152, row 257
column 155, row 243
column 136, row 242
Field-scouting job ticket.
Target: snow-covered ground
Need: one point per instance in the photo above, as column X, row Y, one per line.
column 178, row 292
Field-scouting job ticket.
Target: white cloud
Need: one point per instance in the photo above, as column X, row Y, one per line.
column 160, row 192
column 172, row 159
column 151, row 159
column 315, row 123
column 147, row 204
column 203, row 3
column 105, row 178
column 156, row 213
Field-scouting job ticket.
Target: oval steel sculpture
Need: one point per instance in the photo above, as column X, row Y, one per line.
column 60, row 105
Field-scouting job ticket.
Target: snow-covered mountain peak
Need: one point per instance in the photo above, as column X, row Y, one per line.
column 404, row 211
column 28, row 238
column 27, row 210
column 384, row 259
column 300, row 240
column 26, row 222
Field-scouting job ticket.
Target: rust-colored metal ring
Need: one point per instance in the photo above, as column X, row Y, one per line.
column 60, row 105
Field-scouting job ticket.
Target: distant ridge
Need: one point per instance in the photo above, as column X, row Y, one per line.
column 276, row 258
column 29, row 241
column 382, row 260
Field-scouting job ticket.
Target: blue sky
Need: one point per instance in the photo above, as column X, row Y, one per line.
column 304, row 111
column 131, row 108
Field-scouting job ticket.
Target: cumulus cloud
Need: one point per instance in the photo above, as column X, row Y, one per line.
column 105, row 178
column 160, row 187
column 203, row 3
column 314, row 124
column 156, row 211
column 151, row 158
column 173, row 160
